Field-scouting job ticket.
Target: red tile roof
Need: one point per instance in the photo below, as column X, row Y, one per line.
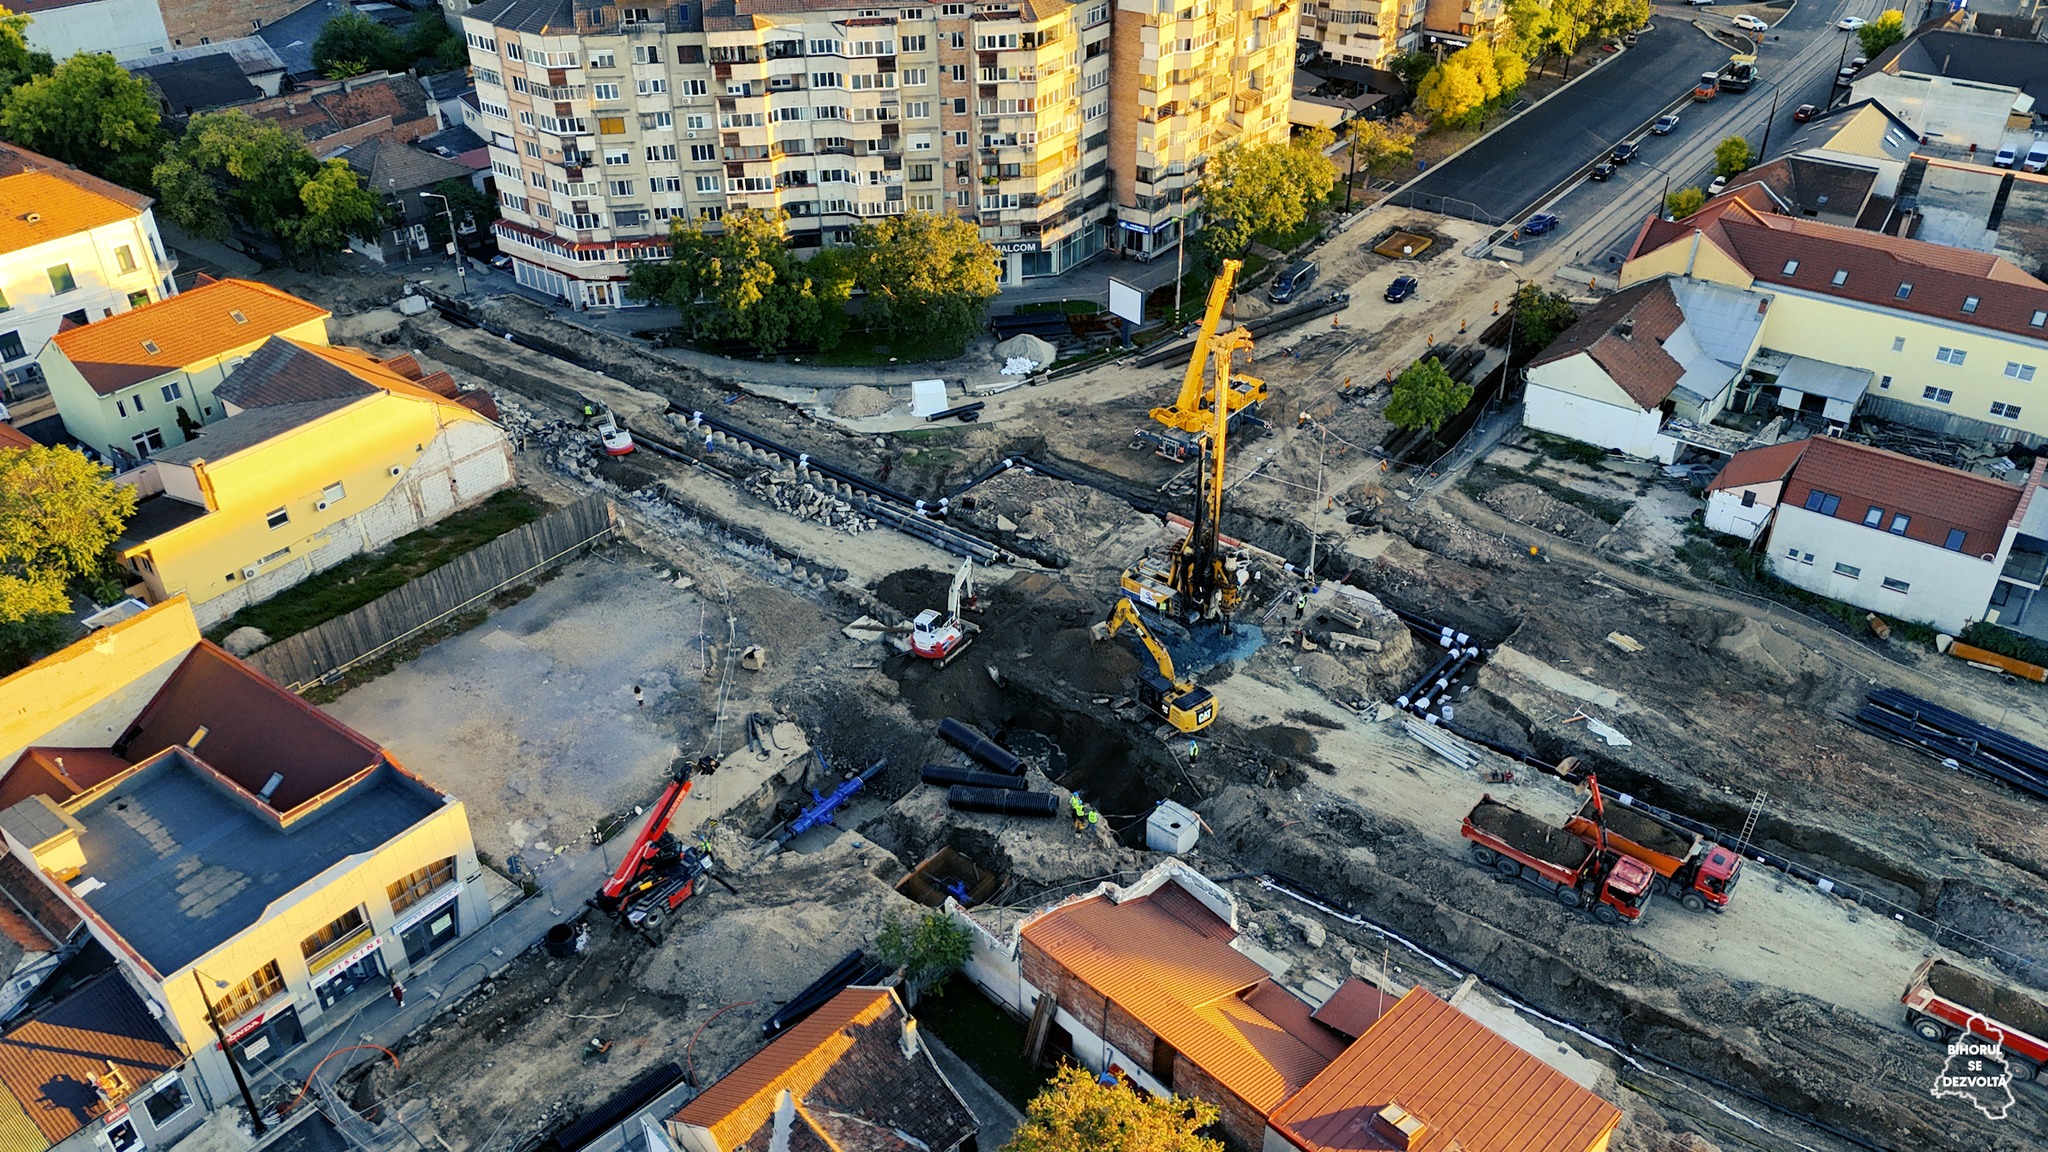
column 1649, row 314
column 1936, row 499
column 185, row 329
column 52, row 1062
column 1166, row 959
column 1759, row 465
column 11, row 437
column 1471, row 1088
column 1353, row 1007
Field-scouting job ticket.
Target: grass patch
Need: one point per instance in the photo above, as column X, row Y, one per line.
column 931, row 458
column 1992, row 638
column 984, row 1036
column 1573, row 450
column 866, row 350
column 1484, row 478
column 360, row 579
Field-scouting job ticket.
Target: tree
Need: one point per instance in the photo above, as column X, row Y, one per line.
column 352, row 44
column 927, row 952
column 1452, row 95
column 431, row 43
column 228, row 167
column 1888, row 29
column 1263, row 190
column 1411, row 67
column 19, row 62
column 1571, row 24
column 1378, row 142
column 465, row 202
column 926, row 275
column 58, row 513
column 1732, row 156
column 1526, row 28
column 335, row 207
column 1425, row 396
column 1075, row 1112
column 742, row 283
column 1684, row 202
column 91, row 113
column 1539, row 317
column 1617, row 18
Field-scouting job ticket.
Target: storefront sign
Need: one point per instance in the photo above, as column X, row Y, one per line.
column 433, row 904
column 349, row 961
column 1017, row 246
column 115, row 1115
column 241, row 1031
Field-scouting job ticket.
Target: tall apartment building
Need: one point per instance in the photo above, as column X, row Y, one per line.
column 606, row 122
column 1367, row 32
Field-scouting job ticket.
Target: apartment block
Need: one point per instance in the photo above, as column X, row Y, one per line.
column 1369, row 32
column 606, row 122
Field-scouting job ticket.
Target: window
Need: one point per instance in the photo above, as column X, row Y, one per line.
column 333, row 493
column 2019, row 371
column 276, row 518
column 1884, row 382
column 1969, row 304
column 1898, row 343
column 138, row 298
column 665, row 184
column 1749, row 499
column 250, row 994
column 1954, row 543
column 417, row 886
column 827, row 80
column 603, row 60
column 173, row 391
column 913, row 44
column 708, row 184
column 604, row 91
column 650, row 87
column 167, row 1102
column 703, row 152
column 661, row 153
column 952, row 9
column 60, row 279
column 1949, row 356
column 1849, row 570
column 620, row 188
column 617, row 157
column 700, row 121
column 1891, row 585
column 1822, row 502
column 124, row 258
column 611, row 125
column 695, row 88
column 1793, row 555
column 1874, row 517
column 121, row 409
column 646, row 53
column 147, row 442
column 1905, row 291
column 1841, row 277
column 1791, row 266
column 344, row 926
column 918, row 110
column 1938, row 395
column 1899, row 523
column 10, row 346
column 2039, row 318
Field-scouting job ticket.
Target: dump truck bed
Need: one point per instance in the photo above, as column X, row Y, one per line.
column 2001, row 1004
column 1530, row 836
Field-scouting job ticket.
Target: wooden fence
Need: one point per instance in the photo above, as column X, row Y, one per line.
column 324, row 652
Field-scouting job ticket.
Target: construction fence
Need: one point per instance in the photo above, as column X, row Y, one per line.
column 320, row 654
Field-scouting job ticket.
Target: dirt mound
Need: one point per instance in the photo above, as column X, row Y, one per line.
column 1532, row 505
column 861, row 400
column 1058, row 523
column 912, row 590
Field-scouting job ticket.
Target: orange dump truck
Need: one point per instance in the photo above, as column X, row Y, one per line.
column 1519, row 846
column 1690, row 868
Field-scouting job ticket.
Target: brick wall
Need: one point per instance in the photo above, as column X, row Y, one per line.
column 190, row 21
column 1244, row 1127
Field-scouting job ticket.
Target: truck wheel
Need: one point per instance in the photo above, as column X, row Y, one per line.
column 1658, row 887
column 1606, row 914
column 1930, row 1030
column 1508, row 868
column 2022, row 1068
column 1693, row 902
column 1483, row 856
column 1569, row 897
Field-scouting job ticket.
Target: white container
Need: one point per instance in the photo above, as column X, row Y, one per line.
column 1172, row 828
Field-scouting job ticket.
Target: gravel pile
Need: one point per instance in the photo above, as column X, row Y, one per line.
column 861, row 400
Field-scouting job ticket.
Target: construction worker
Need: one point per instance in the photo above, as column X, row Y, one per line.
column 1301, row 604
column 706, row 765
column 1094, row 818
column 1080, row 810
column 1194, row 750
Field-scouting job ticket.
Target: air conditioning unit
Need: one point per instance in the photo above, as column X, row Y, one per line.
column 250, row 572
column 320, row 507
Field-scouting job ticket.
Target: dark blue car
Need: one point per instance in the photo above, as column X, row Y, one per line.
column 1538, row 224
column 1402, row 288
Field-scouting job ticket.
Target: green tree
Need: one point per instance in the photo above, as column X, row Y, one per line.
column 1525, row 29
column 1424, row 396
column 58, row 514
column 1452, row 95
column 351, row 44
column 925, row 275
column 1612, row 19
column 18, row 61
column 1375, row 143
column 1684, row 202
column 1539, row 317
column 1411, row 67
column 1732, row 156
column 430, row 42
column 927, row 951
column 334, row 206
column 1571, row 25
column 1077, row 1113
column 465, row 202
column 1262, row 190
column 742, row 283
column 1888, row 29
column 231, row 168
column 91, row 113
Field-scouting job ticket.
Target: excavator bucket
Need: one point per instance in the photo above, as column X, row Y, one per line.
column 1099, row 631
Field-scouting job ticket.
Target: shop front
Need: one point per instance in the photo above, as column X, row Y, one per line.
column 430, row 927
column 359, row 963
column 267, row 1035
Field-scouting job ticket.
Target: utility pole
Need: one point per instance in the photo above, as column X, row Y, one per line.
column 256, row 1125
column 454, row 248
column 1763, row 151
column 1180, row 249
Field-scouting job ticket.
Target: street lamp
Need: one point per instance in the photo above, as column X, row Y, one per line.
column 461, row 273
column 1508, row 365
column 256, row 1125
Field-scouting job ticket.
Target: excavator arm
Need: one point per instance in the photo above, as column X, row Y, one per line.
column 1126, row 615
column 646, row 844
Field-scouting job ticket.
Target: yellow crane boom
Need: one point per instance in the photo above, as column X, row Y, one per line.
column 1185, row 414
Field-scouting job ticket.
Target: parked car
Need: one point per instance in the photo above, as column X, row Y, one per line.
column 1294, row 281
column 502, row 262
column 1665, row 124
column 1623, row 153
column 1719, row 186
column 2006, row 157
column 1602, row 170
column 1699, row 3
column 1402, row 288
column 1845, row 77
column 1540, row 223
column 1750, row 23
column 1851, row 23
column 1804, row 112
column 2037, row 156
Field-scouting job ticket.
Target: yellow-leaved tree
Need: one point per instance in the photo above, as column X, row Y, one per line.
column 1078, row 1113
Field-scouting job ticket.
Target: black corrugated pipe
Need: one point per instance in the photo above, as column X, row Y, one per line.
column 954, row 774
column 970, row 740
column 1002, row 801
column 1406, row 699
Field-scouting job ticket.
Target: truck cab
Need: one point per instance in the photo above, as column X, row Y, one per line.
column 1718, row 871
column 1708, row 87
column 1627, row 887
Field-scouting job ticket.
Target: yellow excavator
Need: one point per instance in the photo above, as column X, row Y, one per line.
column 1181, row 703
column 1185, row 422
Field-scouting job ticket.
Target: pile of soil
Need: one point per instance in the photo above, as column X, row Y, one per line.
column 1057, row 523
column 861, row 400
column 1532, row 505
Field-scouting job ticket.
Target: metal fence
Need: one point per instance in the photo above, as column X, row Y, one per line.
column 325, row 652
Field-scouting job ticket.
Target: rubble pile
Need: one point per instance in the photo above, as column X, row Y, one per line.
column 1056, row 522
column 861, row 400
column 807, row 502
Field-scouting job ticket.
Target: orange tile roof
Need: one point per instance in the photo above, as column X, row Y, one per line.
column 1166, row 959
column 186, row 328
column 376, row 372
column 1759, row 465
column 51, row 1060
column 11, row 437
column 1472, row 1089
column 46, row 204
column 744, row 1098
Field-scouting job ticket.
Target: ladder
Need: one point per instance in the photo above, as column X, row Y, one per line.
column 1756, row 810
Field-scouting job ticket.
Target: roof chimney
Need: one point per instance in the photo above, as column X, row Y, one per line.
column 1627, row 328
column 61, row 770
column 910, row 1043
column 1400, row 1126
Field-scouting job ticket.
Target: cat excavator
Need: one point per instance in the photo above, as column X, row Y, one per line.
column 1185, row 422
column 1182, row 703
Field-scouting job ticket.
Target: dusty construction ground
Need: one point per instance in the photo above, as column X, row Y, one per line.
column 1790, row 996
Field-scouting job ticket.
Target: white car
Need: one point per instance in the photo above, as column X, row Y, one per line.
column 1750, row 23
column 1719, row 185
column 1850, row 23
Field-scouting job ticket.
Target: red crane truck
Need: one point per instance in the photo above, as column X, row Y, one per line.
column 1943, row 1002
column 1520, row 846
column 1690, row 868
column 657, row 873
